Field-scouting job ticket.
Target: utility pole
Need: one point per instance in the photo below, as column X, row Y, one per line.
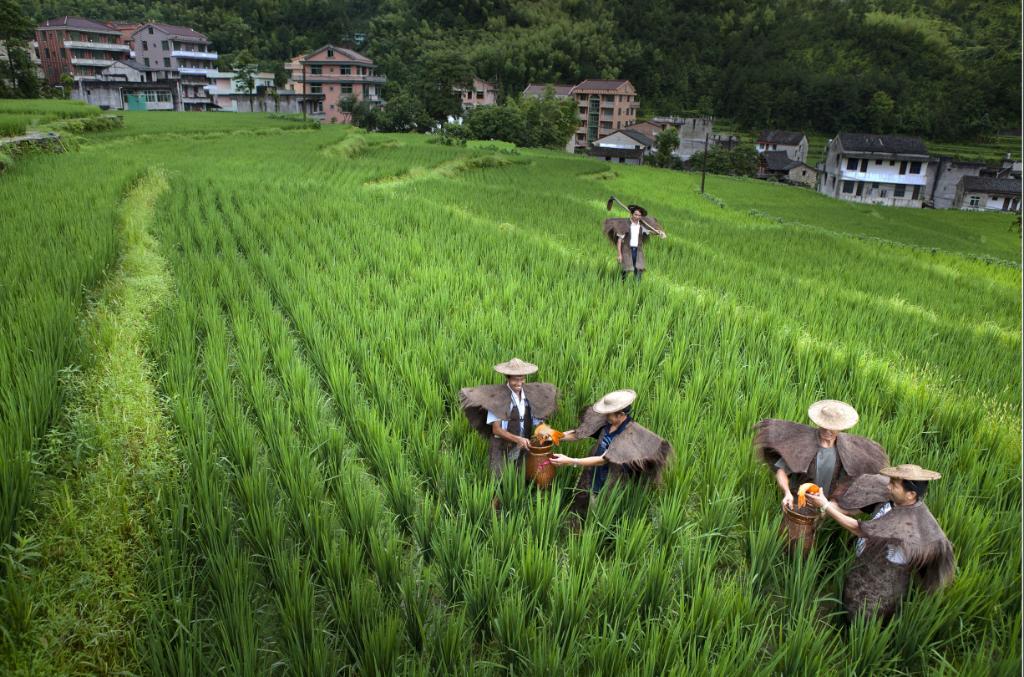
column 305, row 90
column 704, row 163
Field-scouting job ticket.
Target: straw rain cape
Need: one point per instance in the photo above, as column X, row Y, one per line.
column 497, row 398
column 797, row 445
column 864, row 492
column 919, row 536
column 637, row 449
column 615, row 228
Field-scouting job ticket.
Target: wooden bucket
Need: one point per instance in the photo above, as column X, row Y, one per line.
column 799, row 524
column 539, row 468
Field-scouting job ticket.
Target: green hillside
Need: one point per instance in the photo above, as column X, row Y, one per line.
column 230, row 363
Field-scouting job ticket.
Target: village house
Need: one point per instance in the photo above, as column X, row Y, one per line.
column 778, row 165
column 694, row 134
column 876, row 169
column 338, row 76
column 78, row 47
column 186, row 54
column 603, row 106
column 988, row 193
column 481, row 93
column 130, row 85
column 946, row 173
column 794, row 144
column 625, row 146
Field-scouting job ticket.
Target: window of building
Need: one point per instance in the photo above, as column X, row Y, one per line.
column 847, row 186
column 345, row 70
column 917, row 192
column 346, row 89
column 316, row 89
column 479, row 95
column 884, row 193
column 145, row 45
column 864, row 165
column 163, row 45
column 316, row 70
column 915, row 167
column 330, row 53
column 851, row 164
column 899, row 191
column 874, row 185
column 145, row 61
column 878, row 162
column 974, row 201
column 150, row 31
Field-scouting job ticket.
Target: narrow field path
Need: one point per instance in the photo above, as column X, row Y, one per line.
column 104, row 465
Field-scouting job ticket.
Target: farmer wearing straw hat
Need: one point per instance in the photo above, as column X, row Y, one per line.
column 624, row 449
column 902, row 536
column 629, row 236
column 797, row 454
column 505, row 414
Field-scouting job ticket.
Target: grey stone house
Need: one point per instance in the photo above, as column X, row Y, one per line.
column 988, row 193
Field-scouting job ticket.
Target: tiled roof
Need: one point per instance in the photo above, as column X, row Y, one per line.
column 882, row 143
column 778, row 161
column 778, row 136
column 176, row 31
column 78, row 23
column 349, row 54
column 538, row 90
column 990, row 184
column 601, row 84
column 637, row 136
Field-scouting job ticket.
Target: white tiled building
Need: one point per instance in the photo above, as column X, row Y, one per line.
column 876, row 169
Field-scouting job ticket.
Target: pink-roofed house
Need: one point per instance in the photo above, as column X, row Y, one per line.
column 603, row 106
column 336, row 74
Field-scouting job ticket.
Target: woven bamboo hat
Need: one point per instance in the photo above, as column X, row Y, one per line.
column 909, row 471
column 833, row 414
column 614, row 401
column 516, row 367
column 637, row 208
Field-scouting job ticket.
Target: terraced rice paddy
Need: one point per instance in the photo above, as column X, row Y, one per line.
column 301, row 494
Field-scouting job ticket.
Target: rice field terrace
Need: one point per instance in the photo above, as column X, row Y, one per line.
column 230, row 352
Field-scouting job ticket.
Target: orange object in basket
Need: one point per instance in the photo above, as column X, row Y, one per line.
column 806, row 488
column 544, row 433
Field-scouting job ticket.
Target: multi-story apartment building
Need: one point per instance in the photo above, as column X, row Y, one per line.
column 185, row 54
column 79, row 47
column 604, row 106
column 338, row 74
column 877, row 169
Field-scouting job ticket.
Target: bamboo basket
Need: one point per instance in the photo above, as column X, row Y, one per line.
column 799, row 525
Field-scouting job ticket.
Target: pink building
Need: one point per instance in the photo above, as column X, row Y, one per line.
column 336, row 74
column 482, row 93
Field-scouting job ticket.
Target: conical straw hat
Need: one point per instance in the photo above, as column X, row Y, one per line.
column 909, row 471
column 614, row 401
column 833, row 414
column 516, row 367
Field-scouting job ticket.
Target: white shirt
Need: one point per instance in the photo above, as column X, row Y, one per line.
column 517, row 402
column 634, row 233
column 892, row 552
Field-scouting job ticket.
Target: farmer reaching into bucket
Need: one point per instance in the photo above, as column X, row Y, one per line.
column 624, row 450
column 629, row 236
column 506, row 414
column 798, row 454
column 901, row 537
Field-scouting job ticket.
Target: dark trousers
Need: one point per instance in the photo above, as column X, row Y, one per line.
column 636, row 271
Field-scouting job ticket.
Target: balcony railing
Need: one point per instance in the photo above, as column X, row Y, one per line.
column 884, row 177
column 186, row 54
column 102, row 63
column 205, row 72
column 96, row 46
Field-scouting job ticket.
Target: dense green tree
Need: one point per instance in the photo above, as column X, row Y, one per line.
column 665, row 143
column 950, row 68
